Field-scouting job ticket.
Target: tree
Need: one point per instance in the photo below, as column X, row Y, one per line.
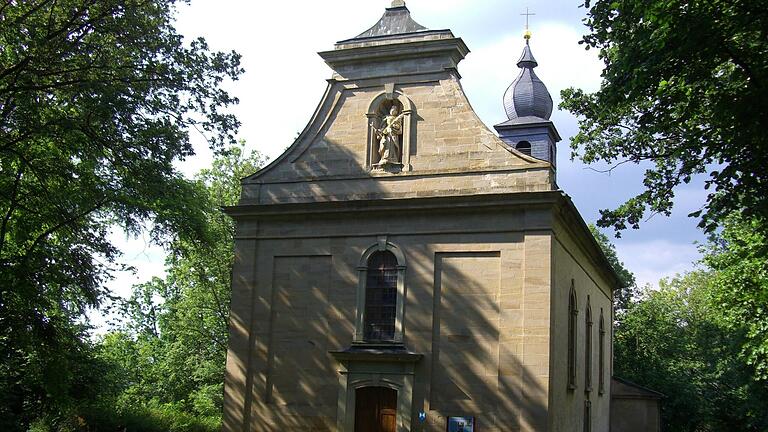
column 177, row 327
column 685, row 89
column 674, row 341
column 628, row 289
column 96, row 100
column 195, row 319
column 738, row 257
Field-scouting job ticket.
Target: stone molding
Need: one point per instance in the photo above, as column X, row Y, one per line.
column 394, row 369
column 565, row 215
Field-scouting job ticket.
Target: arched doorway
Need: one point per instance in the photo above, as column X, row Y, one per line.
column 375, row 409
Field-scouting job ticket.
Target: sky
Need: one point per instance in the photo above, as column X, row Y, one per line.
column 285, row 79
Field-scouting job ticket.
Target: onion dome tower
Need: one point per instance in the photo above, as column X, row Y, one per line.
column 528, row 105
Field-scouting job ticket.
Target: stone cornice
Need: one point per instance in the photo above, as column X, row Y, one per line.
column 455, row 172
column 453, row 47
column 560, row 204
column 484, row 201
column 376, row 355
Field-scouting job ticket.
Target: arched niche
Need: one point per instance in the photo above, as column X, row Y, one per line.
column 378, row 109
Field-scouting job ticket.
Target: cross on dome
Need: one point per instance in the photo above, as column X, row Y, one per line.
column 527, row 15
column 527, row 96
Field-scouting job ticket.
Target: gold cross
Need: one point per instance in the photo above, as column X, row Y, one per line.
column 527, row 35
column 527, row 14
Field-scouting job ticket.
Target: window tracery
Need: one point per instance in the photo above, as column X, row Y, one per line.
column 380, row 294
column 380, row 297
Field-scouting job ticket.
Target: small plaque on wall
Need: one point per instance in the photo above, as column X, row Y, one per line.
column 461, row 424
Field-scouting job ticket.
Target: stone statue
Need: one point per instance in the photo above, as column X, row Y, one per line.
column 388, row 136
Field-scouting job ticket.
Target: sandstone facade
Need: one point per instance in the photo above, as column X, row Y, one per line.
column 487, row 252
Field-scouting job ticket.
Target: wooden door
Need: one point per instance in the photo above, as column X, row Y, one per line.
column 375, row 410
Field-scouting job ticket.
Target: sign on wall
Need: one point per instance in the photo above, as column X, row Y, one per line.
column 461, row 424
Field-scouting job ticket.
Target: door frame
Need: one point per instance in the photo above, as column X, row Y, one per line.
column 357, row 369
column 378, row 400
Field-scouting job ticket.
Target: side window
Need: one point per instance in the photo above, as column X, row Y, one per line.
column 588, row 348
column 587, row 416
column 601, row 368
column 573, row 313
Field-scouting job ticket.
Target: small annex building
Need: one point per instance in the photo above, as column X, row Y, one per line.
column 401, row 267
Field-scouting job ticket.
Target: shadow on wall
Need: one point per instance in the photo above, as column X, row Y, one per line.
column 299, row 304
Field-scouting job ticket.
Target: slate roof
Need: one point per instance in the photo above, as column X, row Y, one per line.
column 526, row 59
column 621, row 388
column 525, row 120
column 396, row 20
column 527, row 96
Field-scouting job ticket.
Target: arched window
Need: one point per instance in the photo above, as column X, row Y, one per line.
column 524, row 147
column 601, row 361
column 573, row 313
column 380, row 294
column 587, row 416
column 588, row 349
column 381, row 297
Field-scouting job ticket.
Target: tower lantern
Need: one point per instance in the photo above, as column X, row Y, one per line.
column 528, row 106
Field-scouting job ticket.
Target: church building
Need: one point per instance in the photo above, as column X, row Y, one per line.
column 402, row 267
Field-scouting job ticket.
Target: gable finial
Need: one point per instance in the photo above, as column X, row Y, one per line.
column 527, row 35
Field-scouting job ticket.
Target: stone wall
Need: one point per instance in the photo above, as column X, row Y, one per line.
column 571, row 262
column 451, row 151
column 476, row 307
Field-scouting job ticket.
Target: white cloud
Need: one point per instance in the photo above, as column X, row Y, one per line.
column 563, row 63
column 655, row 259
column 147, row 260
column 279, row 41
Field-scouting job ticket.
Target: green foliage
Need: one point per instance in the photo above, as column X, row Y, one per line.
column 685, row 88
column 738, row 257
column 170, row 354
column 674, row 341
column 75, row 383
column 163, row 368
column 628, row 289
column 96, row 98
